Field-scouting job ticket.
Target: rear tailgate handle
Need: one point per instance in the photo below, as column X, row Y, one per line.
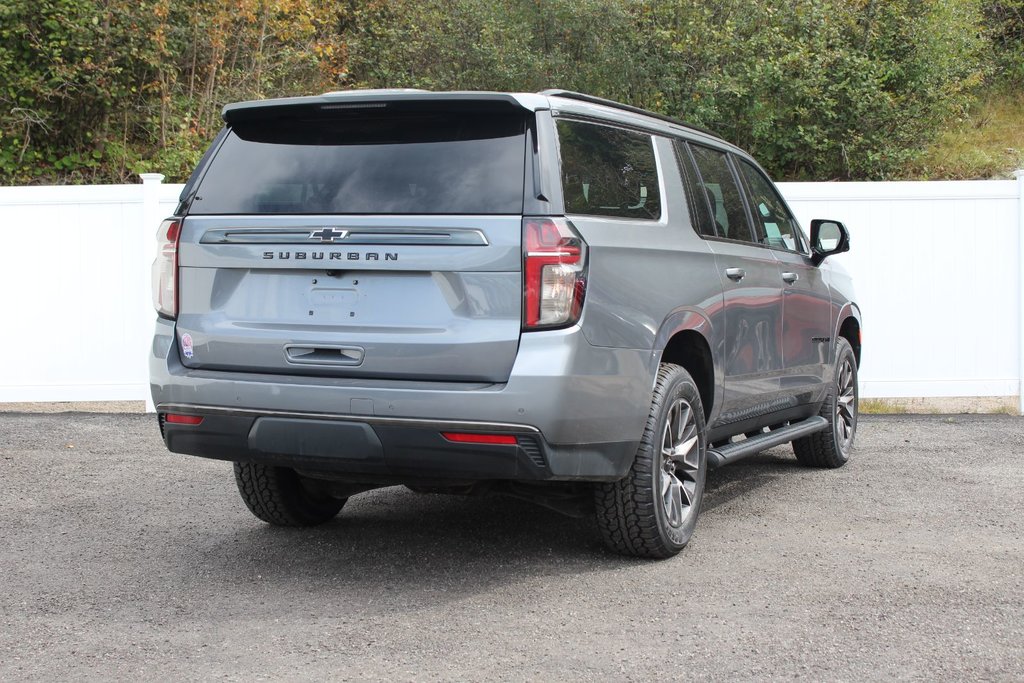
column 301, row 354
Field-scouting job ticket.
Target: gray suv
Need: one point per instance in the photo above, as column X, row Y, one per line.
column 550, row 296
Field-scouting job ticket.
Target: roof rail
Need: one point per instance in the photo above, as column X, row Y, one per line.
column 572, row 95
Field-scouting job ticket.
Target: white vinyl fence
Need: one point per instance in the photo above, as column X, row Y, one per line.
column 75, row 289
column 937, row 267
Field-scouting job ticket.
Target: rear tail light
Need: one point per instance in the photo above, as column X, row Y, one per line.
column 554, row 273
column 165, row 269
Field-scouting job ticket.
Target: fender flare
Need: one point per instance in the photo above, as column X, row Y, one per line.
column 683, row 319
column 848, row 310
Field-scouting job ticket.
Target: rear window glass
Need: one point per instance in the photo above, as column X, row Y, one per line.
column 439, row 162
column 719, row 184
column 696, row 196
column 608, row 171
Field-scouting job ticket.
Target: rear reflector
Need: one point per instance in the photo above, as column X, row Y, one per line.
column 174, row 418
column 460, row 437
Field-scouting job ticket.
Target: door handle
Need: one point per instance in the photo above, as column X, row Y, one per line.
column 790, row 277
column 323, row 355
column 735, row 274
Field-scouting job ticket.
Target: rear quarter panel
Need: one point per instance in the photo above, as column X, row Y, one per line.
column 651, row 279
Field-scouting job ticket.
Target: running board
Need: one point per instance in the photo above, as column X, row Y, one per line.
column 731, row 452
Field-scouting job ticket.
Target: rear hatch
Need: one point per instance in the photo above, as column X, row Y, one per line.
column 376, row 240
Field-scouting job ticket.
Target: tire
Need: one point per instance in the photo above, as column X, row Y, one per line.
column 653, row 510
column 279, row 496
column 830, row 448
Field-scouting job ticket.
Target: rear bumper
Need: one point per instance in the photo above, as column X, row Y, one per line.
column 391, row 449
column 577, row 413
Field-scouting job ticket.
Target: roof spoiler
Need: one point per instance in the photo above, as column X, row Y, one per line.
column 376, row 99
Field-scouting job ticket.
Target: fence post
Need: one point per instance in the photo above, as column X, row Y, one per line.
column 151, row 218
column 1019, row 175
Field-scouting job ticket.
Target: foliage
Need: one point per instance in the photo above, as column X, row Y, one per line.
column 832, row 90
column 987, row 144
column 73, row 80
column 98, row 90
column 1005, row 22
column 814, row 88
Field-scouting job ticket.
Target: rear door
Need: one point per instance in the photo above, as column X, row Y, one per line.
column 364, row 242
column 752, row 292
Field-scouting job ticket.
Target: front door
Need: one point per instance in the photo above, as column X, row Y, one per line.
column 806, row 303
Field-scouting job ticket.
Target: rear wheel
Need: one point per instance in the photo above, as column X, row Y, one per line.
column 653, row 510
column 279, row 496
column 830, row 448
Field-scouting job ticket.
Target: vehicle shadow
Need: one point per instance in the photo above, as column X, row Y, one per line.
column 393, row 544
column 732, row 482
column 396, row 548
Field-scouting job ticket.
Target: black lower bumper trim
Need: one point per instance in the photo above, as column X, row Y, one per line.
column 352, row 447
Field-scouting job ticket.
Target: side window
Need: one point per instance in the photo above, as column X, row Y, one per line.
column 778, row 226
column 719, row 185
column 696, row 198
column 608, row 171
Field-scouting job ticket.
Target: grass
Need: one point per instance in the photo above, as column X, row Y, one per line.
column 987, row 144
column 879, row 406
column 963, row 405
column 1005, row 410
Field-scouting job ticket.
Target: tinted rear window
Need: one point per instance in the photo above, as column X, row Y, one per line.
column 608, row 171
column 719, row 185
column 696, row 196
column 395, row 163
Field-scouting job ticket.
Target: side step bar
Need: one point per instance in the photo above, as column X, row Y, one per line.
column 731, row 452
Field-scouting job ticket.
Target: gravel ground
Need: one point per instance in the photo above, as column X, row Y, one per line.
column 122, row 561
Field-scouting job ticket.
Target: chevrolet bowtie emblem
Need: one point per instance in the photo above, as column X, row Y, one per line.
column 328, row 235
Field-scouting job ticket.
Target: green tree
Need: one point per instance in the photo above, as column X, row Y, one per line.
column 74, row 76
column 1005, row 23
column 98, row 90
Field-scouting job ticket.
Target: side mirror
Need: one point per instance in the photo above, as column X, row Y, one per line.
column 828, row 238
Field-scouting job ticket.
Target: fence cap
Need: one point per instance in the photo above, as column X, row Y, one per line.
column 152, row 177
column 1018, row 174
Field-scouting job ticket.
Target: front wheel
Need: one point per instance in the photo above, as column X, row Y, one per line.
column 653, row 510
column 279, row 496
column 830, row 448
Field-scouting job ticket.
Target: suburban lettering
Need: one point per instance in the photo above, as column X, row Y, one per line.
column 334, row 255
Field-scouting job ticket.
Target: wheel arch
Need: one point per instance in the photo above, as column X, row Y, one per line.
column 848, row 326
column 684, row 339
